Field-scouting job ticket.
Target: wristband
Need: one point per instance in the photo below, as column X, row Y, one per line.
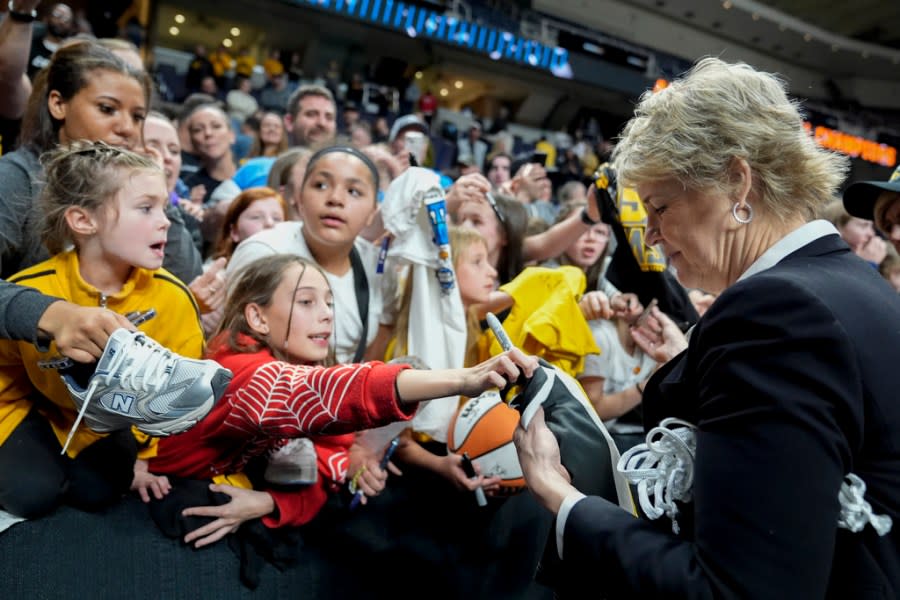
column 586, row 218
column 21, row 17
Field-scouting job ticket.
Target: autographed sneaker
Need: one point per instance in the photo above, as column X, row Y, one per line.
column 138, row 382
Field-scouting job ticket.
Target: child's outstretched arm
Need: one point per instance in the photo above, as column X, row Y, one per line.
column 415, row 386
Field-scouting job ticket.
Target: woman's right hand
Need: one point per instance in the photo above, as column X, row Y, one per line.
column 539, row 456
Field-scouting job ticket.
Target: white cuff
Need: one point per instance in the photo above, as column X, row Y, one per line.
column 568, row 502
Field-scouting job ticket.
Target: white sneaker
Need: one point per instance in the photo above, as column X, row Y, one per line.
column 138, row 382
column 295, row 463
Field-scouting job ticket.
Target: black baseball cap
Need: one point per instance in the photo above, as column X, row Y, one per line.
column 860, row 197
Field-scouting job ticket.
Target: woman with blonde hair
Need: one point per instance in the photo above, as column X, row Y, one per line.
column 771, row 455
column 271, row 138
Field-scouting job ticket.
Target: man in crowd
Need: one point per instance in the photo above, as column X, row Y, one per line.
column 275, row 96
column 310, row 117
column 472, row 148
column 60, row 25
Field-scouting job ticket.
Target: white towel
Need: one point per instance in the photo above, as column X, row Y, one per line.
column 437, row 332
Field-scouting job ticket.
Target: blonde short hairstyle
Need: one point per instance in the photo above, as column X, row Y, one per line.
column 716, row 113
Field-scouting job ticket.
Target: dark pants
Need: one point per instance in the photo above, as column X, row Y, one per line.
column 35, row 478
column 444, row 541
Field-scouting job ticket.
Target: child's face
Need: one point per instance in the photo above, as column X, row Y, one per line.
column 475, row 274
column 585, row 251
column 262, row 214
column 480, row 217
column 313, row 316
column 132, row 230
column 338, row 200
column 857, row 232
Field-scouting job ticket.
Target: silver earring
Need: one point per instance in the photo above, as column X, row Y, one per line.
column 739, row 218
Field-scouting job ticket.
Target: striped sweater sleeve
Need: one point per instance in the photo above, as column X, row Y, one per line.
column 284, row 400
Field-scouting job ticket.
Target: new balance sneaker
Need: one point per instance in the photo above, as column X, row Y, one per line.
column 138, row 382
column 293, row 464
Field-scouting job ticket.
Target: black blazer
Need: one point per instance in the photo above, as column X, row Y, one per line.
column 790, row 378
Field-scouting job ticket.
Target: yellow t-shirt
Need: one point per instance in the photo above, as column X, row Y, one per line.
column 545, row 319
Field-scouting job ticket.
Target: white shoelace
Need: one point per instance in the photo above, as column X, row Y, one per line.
column 855, row 511
column 666, row 462
column 146, row 358
column 663, row 468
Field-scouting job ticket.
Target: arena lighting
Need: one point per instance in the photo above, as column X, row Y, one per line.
column 759, row 9
column 592, row 48
column 852, row 145
column 235, row 32
column 425, row 22
column 174, row 30
column 179, row 19
column 227, row 43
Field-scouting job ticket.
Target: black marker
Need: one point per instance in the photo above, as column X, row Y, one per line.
column 469, row 470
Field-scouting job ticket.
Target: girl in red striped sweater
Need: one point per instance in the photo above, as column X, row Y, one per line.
column 274, row 337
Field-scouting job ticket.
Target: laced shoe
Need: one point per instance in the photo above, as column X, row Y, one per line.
column 295, row 463
column 138, row 382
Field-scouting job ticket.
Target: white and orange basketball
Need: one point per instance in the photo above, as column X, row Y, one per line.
column 483, row 427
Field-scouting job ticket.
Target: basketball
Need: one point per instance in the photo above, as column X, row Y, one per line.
column 483, row 427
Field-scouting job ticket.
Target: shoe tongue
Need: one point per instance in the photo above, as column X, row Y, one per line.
column 121, row 341
column 117, row 343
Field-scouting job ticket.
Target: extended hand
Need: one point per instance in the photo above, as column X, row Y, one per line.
column 659, row 337
column 244, row 505
column 209, row 288
column 468, row 188
column 80, row 332
column 145, row 482
column 497, row 371
column 595, row 305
